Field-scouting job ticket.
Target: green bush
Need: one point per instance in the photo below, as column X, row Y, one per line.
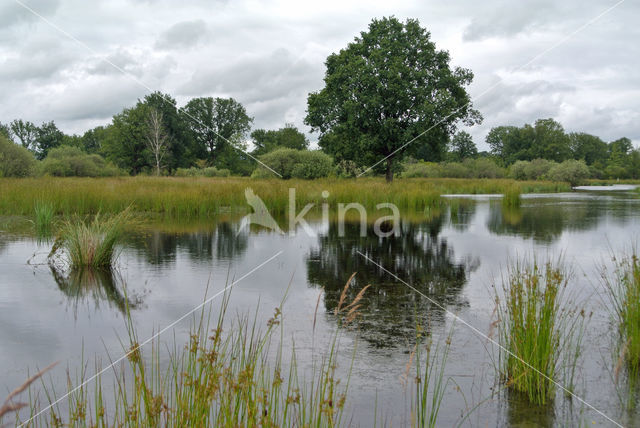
column 571, row 171
column 68, row 161
column 518, row 170
column 536, row 169
column 422, row 170
column 15, row 160
column 483, row 168
column 347, row 169
column 211, row 171
column 455, row 170
column 291, row 163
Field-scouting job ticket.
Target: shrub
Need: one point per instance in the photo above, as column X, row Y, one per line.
column 538, row 168
column 574, row 172
column 15, row 160
column 210, row 171
column 422, row 170
column 68, row 161
column 518, row 170
column 455, row 170
column 347, row 169
column 291, row 163
column 483, row 168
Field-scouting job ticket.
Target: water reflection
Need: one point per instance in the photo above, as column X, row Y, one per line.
column 545, row 220
column 161, row 248
column 390, row 311
column 94, row 285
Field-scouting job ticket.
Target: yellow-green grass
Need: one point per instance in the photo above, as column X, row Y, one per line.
column 192, row 197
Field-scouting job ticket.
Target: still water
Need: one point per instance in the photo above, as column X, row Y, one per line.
column 454, row 257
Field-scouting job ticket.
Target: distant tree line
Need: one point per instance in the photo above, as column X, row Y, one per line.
column 391, row 104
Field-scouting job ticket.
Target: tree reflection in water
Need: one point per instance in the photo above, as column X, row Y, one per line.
column 390, row 311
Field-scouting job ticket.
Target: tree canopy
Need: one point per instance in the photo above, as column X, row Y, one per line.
column 387, row 87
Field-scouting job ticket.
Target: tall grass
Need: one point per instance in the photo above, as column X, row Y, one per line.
column 511, row 197
column 430, row 382
column 201, row 197
column 229, row 374
column 43, row 219
column 539, row 330
column 624, row 292
column 91, row 243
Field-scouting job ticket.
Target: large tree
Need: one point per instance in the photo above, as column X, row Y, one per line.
column 125, row 143
column 265, row 141
column 387, row 87
column 48, row 136
column 24, row 132
column 462, row 147
column 217, row 125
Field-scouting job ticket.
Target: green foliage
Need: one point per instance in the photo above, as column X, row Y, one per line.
column 15, row 161
column 385, row 88
column 287, row 137
column 348, row 169
column 24, row 132
column 462, row 147
column 290, row 163
column 211, row 171
column 67, row 161
column 511, row 197
column 48, row 137
column 588, row 147
column 536, row 169
column 470, row 168
column 216, row 126
column 571, row 171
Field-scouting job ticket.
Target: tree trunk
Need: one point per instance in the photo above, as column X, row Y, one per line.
column 389, row 172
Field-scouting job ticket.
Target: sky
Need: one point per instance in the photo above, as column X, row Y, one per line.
column 531, row 59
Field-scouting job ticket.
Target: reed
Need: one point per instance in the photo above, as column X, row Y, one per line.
column 43, row 219
column 540, row 332
column 511, row 197
column 91, row 243
column 623, row 289
column 187, row 197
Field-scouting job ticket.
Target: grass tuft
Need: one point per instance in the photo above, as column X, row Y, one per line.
column 91, row 244
column 624, row 292
column 43, row 220
column 539, row 333
column 511, row 198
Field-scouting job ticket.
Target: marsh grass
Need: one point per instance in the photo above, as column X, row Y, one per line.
column 91, row 243
column 203, row 197
column 540, row 331
column 430, row 381
column 230, row 373
column 43, row 219
column 623, row 289
column 511, row 197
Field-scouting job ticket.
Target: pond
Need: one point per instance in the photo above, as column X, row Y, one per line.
column 453, row 257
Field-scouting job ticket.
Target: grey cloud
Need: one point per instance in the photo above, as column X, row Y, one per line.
column 12, row 13
column 122, row 59
column 183, row 35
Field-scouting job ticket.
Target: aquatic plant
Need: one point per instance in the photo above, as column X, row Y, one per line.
column 43, row 219
column 229, row 374
column 540, row 332
column 623, row 289
column 511, row 197
column 91, row 243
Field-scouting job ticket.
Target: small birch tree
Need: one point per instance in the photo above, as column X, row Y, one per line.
column 157, row 139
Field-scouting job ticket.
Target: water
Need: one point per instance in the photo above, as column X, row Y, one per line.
column 454, row 257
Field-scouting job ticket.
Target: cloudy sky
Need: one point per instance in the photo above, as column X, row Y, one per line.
column 269, row 55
